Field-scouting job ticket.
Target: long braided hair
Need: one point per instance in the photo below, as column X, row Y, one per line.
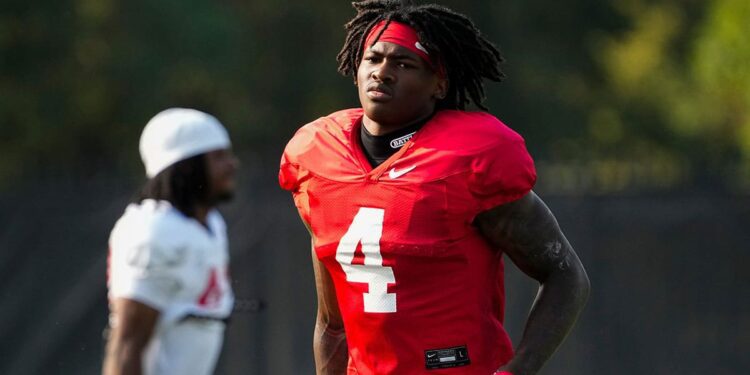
column 183, row 184
column 468, row 57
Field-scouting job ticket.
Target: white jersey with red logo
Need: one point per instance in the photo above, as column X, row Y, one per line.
column 174, row 264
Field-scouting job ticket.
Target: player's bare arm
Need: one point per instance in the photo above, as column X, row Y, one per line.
column 528, row 232
column 329, row 341
column 132, row 326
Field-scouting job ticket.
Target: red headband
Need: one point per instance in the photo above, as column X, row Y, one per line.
column 405, row 36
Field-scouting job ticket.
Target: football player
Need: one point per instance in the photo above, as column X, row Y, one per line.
column 411, row 202
column 169, row 289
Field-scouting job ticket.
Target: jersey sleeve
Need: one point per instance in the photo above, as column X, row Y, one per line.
column 288, row 172
column 147, row 271
column 502, row 172
column 290, row 169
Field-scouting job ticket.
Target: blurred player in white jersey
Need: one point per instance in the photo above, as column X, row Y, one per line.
column 169, row 288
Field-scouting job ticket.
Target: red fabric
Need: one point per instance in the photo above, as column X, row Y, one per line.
column 449, row 289
column 405, row 36
column 503, row 373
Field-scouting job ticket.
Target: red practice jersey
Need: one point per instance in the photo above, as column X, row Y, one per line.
column 419, row 289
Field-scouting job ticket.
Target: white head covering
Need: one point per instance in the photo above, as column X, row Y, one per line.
column 176, row 134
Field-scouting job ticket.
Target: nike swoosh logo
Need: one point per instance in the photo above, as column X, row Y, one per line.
column 431, row 355
column 394, row 174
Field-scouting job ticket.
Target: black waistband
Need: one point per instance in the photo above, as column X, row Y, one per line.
column 205, row 318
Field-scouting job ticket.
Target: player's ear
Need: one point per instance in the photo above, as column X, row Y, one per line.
column 441, row 89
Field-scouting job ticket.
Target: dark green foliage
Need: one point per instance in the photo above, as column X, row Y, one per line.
column 589, row 83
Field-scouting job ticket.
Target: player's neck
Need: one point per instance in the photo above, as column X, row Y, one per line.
column 200, row 213
column 380, row 128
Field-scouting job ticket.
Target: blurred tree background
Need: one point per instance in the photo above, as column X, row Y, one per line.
column 611, row 95
column 637, row 113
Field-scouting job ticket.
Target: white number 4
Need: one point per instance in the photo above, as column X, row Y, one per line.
column 367, row 227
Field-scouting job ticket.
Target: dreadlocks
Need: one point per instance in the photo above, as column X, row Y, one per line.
column 184, row 185
column 468, row 57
